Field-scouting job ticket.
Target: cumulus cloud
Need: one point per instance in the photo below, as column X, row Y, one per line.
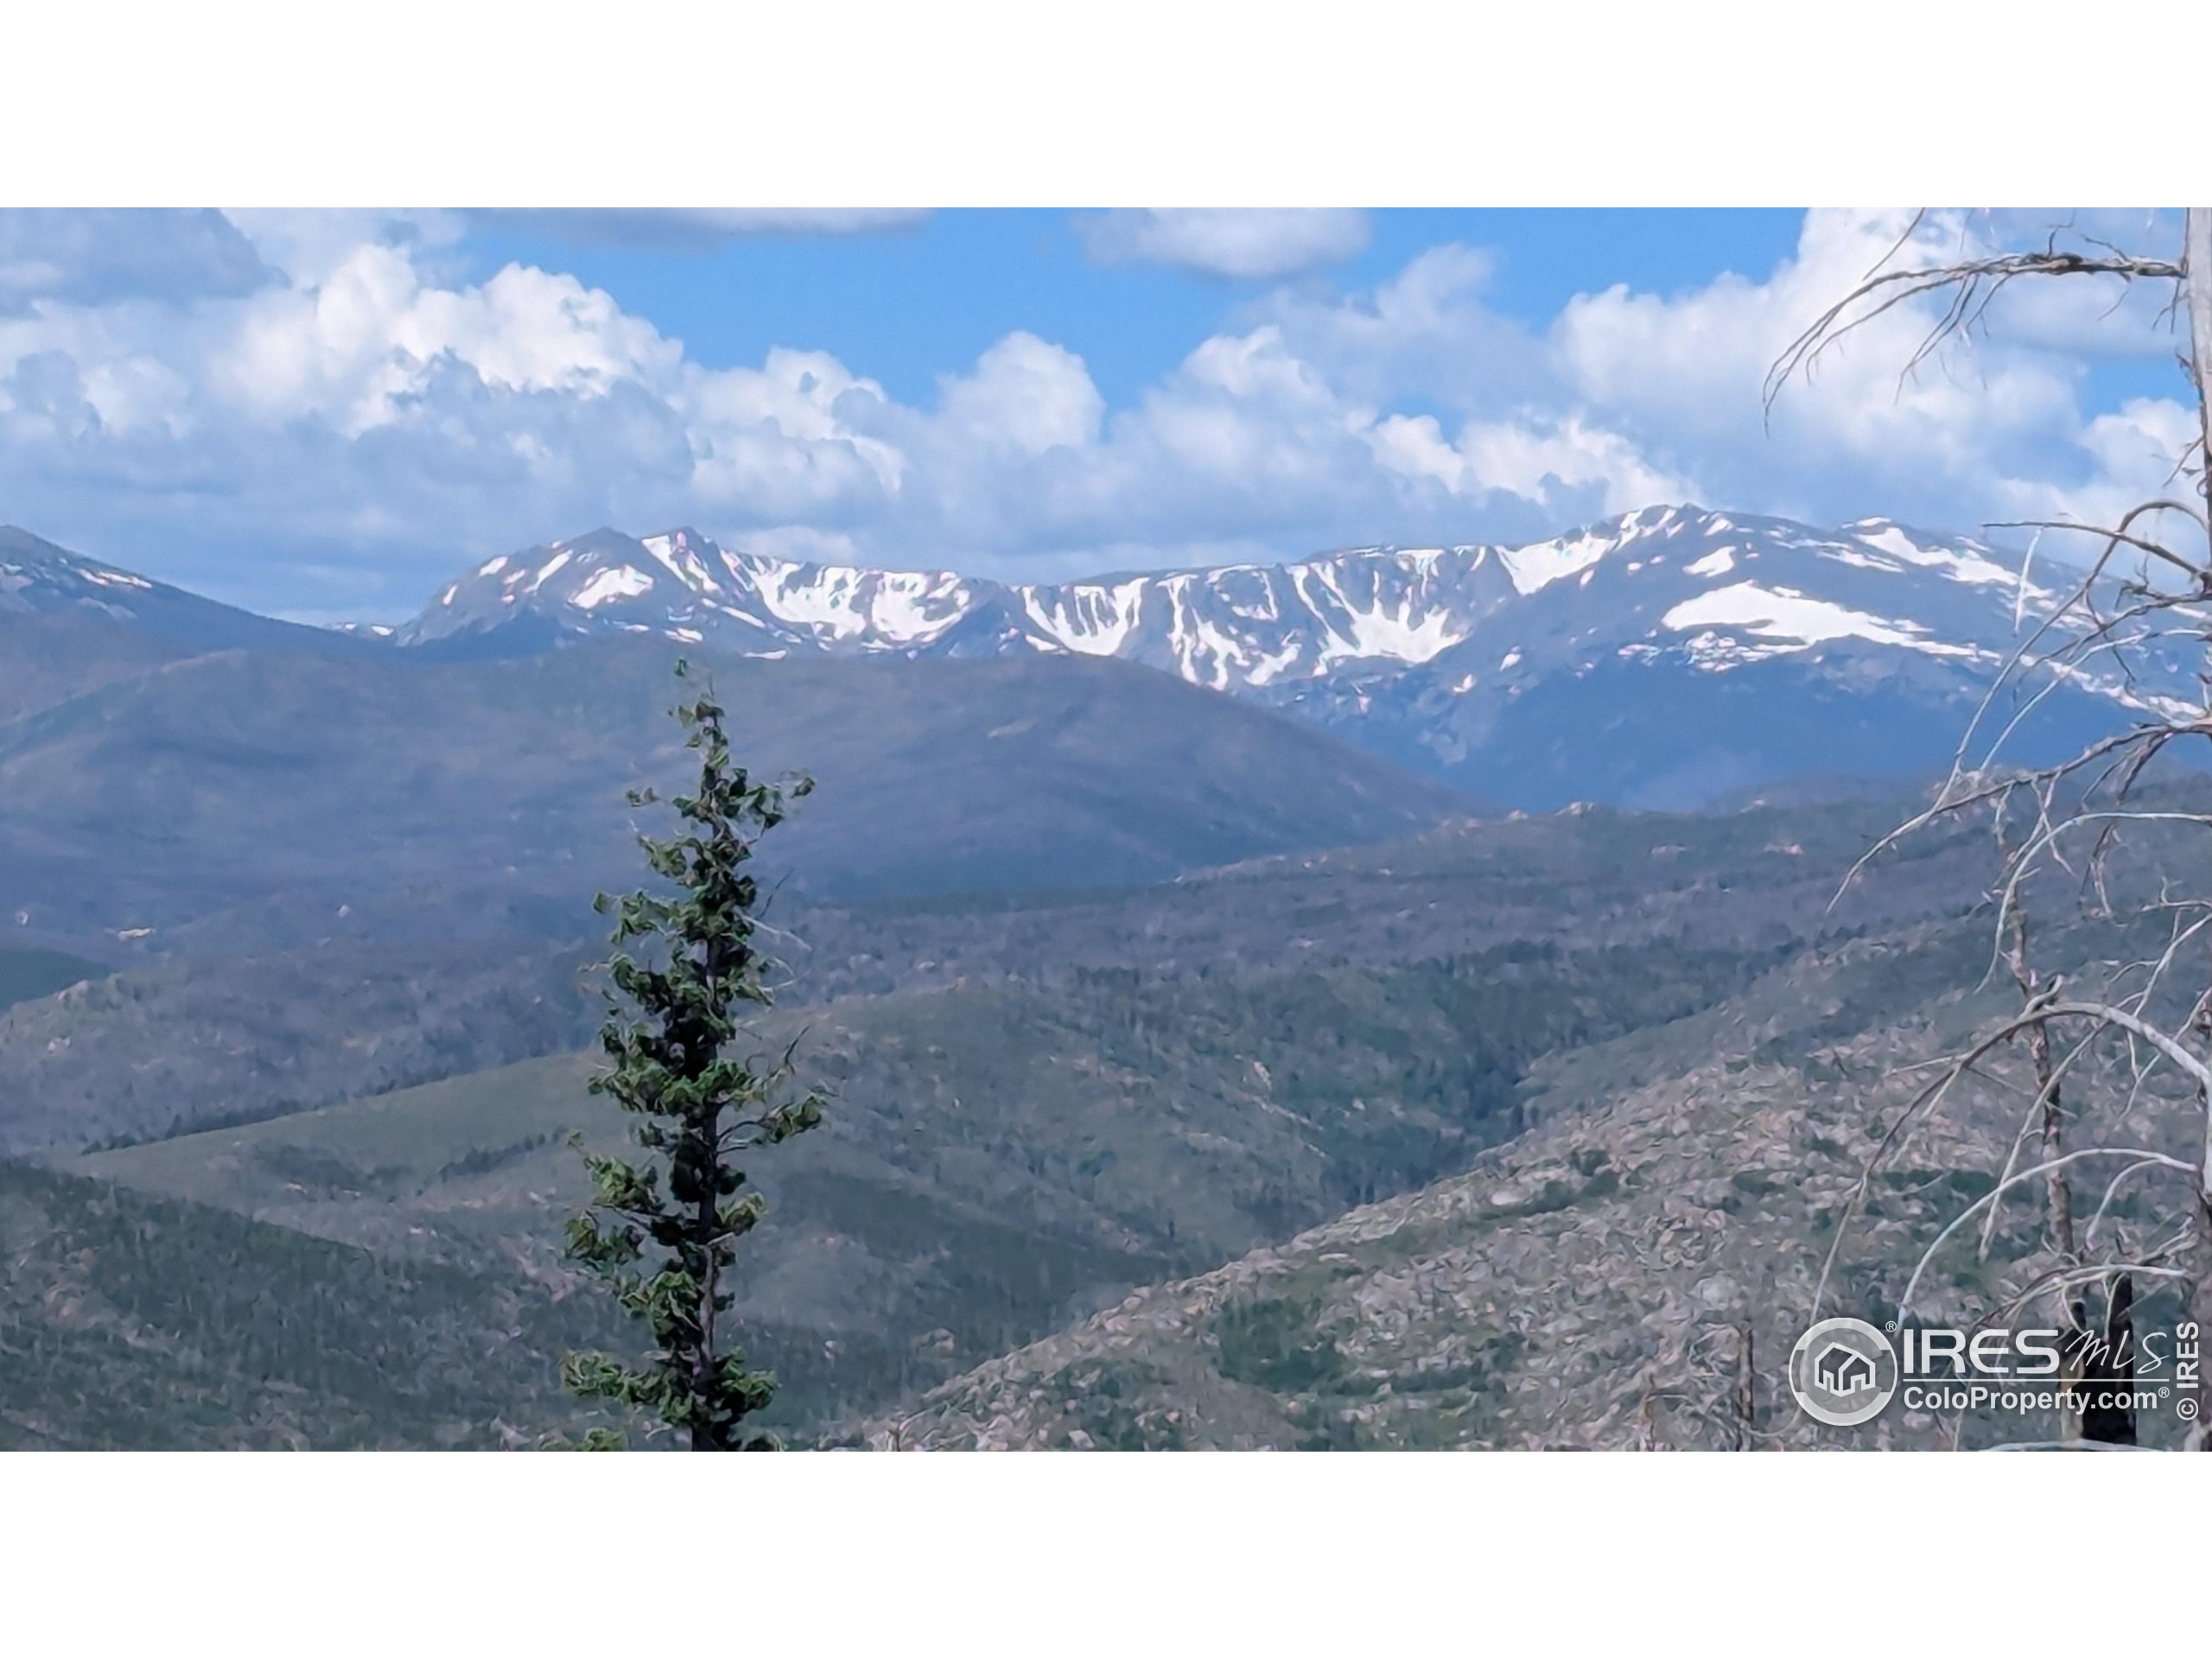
column 359, row 418
column 1989, row 426
column 1427, row 334
column 1234, row 242
column 91, row 257
column 307, row 244
column 1540, row 459
column 1026, row 394
column 365, row 342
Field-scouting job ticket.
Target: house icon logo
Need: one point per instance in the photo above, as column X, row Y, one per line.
column 1843, row 1372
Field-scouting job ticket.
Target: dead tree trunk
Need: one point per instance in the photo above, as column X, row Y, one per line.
column 2196, row 261
column 1746, row 1389
column 2109, row 1414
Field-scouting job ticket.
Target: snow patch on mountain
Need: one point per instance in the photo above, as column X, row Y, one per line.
column 1538, row 567
column 623, row 582
column 1384, row 632
column 1796, row 621
column 888, row 608
column 1094, row 619
column 1960, row 563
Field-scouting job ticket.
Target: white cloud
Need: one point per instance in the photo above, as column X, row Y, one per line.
column 1026, row 394
column 1429, row 333
column 788, row 440
column 1236, row 242
column 307, row 244
column 360, row 346
column 1539, row 460
column 1987, row 423
column 98, row 257
column 363, row 419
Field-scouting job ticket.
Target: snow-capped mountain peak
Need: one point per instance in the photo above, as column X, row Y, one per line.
column 681, row 583
column 1440, row 645
column 34, row 574
column 1736, row 588
column 38, row 578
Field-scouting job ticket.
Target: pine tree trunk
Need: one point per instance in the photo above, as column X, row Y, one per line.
column 706, row 1436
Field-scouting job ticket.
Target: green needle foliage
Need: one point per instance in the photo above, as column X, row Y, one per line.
column 663, row 1231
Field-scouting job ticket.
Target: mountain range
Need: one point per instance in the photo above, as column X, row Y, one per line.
column 168, row 760
column 174, row 773
column 1668, row 658
column 1661, row 658
column 1500, row 1136
column 1122, row 965
column 1104, row 1091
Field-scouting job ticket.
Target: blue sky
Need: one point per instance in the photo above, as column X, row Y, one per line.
column 914, row 301
column 326, row 415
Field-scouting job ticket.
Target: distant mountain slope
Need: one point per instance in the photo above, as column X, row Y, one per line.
column 1230, row 629
column 38, row 578
column 69, row 624
column 26, row 972
column 1583, row 1285
column 995, row 1158
column 214, row 780
column 1660, row 658
column 287, row 1004
column 131, row 1322
column 1666, row 659
column 49, row 657
column 178, row 1044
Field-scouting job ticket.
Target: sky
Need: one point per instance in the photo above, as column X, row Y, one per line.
column 327, row 414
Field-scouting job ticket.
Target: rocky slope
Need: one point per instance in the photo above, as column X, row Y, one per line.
column 1589, row 1284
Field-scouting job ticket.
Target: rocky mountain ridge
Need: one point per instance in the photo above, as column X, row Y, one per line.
column 1660, row 658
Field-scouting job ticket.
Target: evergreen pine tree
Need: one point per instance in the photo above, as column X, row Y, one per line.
column 663, row 1231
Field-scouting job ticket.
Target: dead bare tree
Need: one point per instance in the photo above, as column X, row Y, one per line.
column 2145, row 591
column 1747, row 1406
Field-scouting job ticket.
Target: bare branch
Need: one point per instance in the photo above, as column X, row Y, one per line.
column 1970, row 285
column 1967, row 1214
